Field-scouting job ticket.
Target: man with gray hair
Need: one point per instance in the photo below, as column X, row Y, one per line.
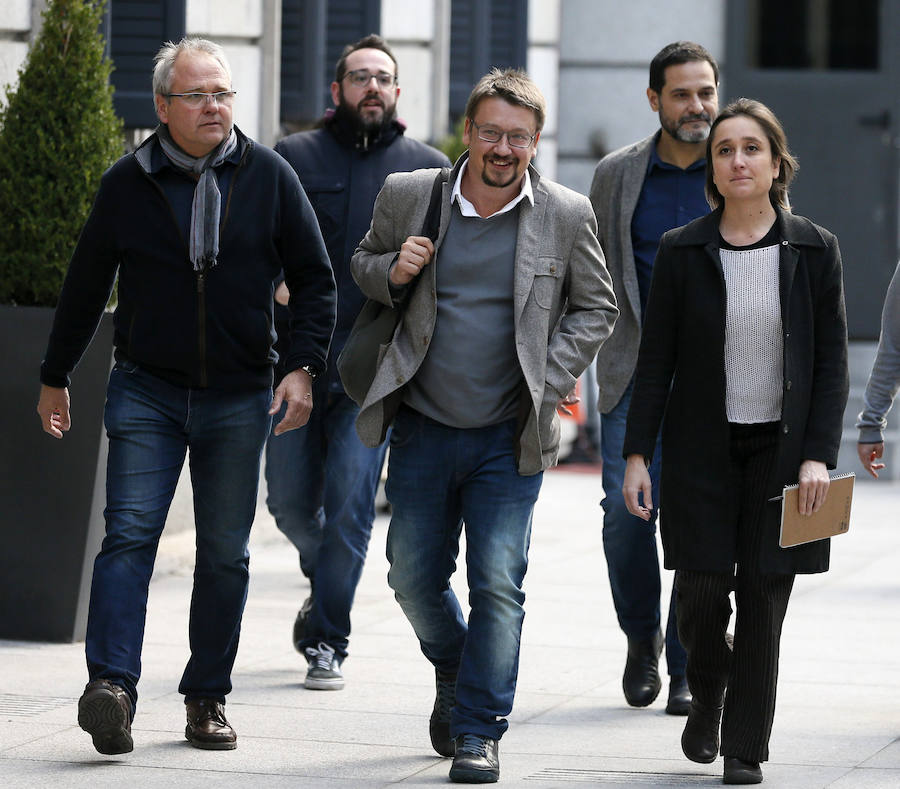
column 503, row 309
column 198, row 223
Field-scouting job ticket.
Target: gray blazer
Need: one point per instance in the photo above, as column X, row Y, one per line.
column 564, row 302
column 615, row 191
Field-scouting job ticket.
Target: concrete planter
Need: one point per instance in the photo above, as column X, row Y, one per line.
column 52, row 493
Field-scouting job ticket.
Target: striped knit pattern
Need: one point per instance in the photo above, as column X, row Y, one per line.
column 750, row 672
column 753, row 335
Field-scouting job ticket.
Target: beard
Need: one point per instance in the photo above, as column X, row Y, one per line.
column 488, row 181
column 368, row 124
column 682, row 134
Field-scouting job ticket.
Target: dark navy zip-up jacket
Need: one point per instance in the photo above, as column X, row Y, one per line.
column 342, row 173
column 212, row 329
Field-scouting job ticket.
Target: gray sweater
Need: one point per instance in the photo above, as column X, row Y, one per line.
column 884, row 380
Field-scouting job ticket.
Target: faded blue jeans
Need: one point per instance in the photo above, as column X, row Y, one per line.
column 630, row 544
column 322, row 482
column 440, row 478
column 151, row 426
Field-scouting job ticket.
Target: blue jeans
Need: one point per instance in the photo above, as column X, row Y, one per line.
column 322, row 482
column 151, row 425
column 440, row 477
column 630, row 544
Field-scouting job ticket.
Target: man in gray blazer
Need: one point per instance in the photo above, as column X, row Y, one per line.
column 513, row 303
column 638, row 193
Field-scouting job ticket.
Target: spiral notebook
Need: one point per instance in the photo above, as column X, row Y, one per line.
column 832, row 519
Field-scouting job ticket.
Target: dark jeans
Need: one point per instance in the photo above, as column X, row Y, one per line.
column 322, row 482
column 439, row 479
column 630, row 545
column 151, row 426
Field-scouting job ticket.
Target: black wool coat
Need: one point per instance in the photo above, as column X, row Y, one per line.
column 680, row 380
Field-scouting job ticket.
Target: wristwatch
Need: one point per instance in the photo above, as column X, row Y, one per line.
column 309, row 370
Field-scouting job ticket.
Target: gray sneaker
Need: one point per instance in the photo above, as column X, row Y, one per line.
column 324, row 672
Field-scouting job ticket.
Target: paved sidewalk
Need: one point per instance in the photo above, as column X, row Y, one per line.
column 837, row 723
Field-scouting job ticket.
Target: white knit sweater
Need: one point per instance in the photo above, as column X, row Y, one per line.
column 753, row 335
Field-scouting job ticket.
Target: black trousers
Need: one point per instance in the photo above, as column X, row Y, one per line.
column 745, row 675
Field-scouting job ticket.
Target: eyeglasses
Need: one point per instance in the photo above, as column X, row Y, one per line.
column 194, row 100
column 515, row 139
column 360, row 78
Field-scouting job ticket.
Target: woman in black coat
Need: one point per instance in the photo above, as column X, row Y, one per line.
column 744, row 359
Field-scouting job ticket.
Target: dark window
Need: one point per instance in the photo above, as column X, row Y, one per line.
column 483, row 34
column 313, row 34
column 815, row 34
column 136, row 32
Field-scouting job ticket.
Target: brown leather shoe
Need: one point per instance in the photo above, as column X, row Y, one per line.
column 207, row 727
column 104, row 712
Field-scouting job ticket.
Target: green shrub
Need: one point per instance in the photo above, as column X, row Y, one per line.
column 452, row 145
column 58, row 133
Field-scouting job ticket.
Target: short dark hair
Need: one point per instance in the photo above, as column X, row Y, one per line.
column 371, row 41
column 513, row 86
column 774, row 131
column 675, row 54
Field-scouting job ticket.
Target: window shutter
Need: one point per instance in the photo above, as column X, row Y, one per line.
column 136, row 32
column 483, row 34
column 313, row 35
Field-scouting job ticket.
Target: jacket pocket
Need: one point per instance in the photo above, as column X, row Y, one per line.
column 547, row 279
column 328, row 197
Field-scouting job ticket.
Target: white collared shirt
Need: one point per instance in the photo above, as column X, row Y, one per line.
column 467, row 209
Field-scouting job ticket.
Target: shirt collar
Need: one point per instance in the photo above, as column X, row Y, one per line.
column 655, row 161
column 467, row 209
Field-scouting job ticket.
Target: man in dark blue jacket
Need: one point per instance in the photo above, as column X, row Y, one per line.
column 198, row 223
column 322, row 480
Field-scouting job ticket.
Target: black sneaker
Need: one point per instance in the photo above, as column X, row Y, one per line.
column 439, row 725
column 324, row 672
column 299, row 631
column 477, row 760
column 104, row 712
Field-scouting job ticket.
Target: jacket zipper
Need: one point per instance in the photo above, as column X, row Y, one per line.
column 201, row 326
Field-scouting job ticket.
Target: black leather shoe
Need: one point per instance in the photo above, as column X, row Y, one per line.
column 104, row 712
column 298, row 634
column 641, row 681
column 700, row 738
column 207, row 727
column 679, row 702
column 477, row 760
column 439, row 725
column 737, row 771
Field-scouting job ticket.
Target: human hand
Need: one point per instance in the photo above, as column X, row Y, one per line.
column 415, row 253
column 296, row 389
column 53, row 408
column 564, row 402
column 814, row 482
column 868, row 452
column 637, row 481
column 282, row 294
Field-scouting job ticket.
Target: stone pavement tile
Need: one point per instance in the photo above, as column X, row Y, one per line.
column 31, row 668
column 16, row 732
column 575, row 730
column 888, row 757
column 863, row 778
column 350, row 761
column 20, row 774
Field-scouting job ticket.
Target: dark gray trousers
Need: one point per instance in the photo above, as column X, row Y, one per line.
column 745, row 675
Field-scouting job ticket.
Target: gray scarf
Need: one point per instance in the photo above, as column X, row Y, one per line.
column 207, row 207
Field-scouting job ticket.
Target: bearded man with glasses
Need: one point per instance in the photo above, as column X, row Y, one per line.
column 198, row 223
column 322, row 480
column 512, row 302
